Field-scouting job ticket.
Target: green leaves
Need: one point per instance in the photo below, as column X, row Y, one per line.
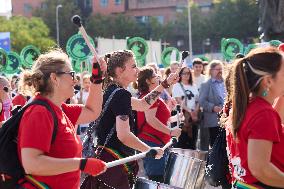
column 26, row 31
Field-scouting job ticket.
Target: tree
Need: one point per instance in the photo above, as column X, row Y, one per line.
column 122, row 26
column 26, row 31
column 234, row 19
column 227, row 18
column 48, row 14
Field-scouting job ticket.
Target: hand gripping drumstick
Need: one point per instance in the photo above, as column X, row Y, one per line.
column 152, row 153
column 184, row 54
column 76, row 19
column 97, row 75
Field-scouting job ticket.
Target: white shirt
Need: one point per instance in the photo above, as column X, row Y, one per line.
column 191, row 93
column 199, row 80
column 85, row 95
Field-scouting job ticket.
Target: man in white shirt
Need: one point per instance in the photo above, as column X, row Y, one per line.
column 198, row 77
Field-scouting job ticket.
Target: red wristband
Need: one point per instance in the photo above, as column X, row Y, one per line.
column 92, row 166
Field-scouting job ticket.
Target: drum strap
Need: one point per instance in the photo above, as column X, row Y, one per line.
column 154, row 136
column 117, row 155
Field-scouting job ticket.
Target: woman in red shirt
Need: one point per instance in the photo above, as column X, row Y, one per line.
column 58, row 164
column 255, row 135
column 152, row 124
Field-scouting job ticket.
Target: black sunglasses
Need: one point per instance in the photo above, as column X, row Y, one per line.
column 6, row 89
column 72, row 73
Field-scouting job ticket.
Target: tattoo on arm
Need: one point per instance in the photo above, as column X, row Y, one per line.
column 123, row 117
column 152, row 97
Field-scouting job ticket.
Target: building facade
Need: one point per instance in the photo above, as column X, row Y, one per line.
column 163, row 10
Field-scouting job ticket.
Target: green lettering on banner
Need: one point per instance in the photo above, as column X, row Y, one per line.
column 139, row 47
column 77, row 48
column 29, row 54
column 230, row 48
column 3, row 59
column 166, row 56
column 77, row 67
column 13, row 64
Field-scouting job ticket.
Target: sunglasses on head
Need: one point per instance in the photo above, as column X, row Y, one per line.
column 72, row 73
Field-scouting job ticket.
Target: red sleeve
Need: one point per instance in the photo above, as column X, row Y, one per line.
column 36, row 128
column 156, row 104
column 265, row 125
column 19, row 100
column 72, row 111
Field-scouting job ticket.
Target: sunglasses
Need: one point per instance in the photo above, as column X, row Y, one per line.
column 72, row 73
column 6, row 89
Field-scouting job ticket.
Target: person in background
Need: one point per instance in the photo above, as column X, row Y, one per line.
column 197, row 76
column 211, row 98
column 5, row 99
column 81, row 98
column 186, row 94
column 255, row 135
column 152, row 124
column 58, row 164
column 14, row 85
column 22, row 96
column 205, row 65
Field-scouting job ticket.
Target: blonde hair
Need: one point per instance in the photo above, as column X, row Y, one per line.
column 37, row 80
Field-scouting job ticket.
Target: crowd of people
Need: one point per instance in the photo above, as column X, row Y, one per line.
column 142, row 115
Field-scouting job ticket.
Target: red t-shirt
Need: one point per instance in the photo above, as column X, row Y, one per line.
column 19, row 100
column 35, row 131
column 163, row 114
column 261, row 121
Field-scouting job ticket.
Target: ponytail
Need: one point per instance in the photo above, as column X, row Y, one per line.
column 240, row 97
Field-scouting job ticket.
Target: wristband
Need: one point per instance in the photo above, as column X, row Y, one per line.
column 92, row 166
column 165, row 84
column 97, row 74
column 83, row 163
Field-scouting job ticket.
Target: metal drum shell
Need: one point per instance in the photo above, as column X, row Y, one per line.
column 184, row 171
column 143, row 183
column 202, row 155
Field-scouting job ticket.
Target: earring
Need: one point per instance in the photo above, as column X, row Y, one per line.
column 265, row 92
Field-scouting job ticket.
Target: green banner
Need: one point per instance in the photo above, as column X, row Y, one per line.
column 13, row 64
column 3, row 59
column 29, row 54
column 77, row 48
column 231, row 47
column 139, row 47
column 166, row 56
column 80, row 66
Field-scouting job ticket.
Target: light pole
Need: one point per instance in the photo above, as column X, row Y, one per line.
column 57, row 25
column 189, row 30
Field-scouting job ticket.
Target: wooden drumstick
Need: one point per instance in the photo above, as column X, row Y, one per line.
column 76, row 19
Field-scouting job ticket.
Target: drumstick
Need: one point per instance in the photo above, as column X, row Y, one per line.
column 168, row 144
column 184, row 54
column 76, row 19
column 151, row 153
